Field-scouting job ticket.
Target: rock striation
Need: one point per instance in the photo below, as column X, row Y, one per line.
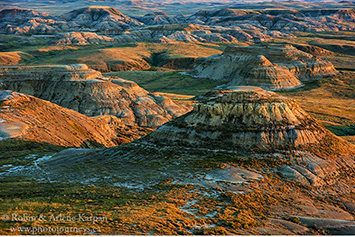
column 251, row 120
column 28, row 118
column 248, row 118
column 85, row 90
column 269, row 66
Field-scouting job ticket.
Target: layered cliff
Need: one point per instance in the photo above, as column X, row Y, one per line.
column 28, row 118
column 86, row 91
column 267, row 66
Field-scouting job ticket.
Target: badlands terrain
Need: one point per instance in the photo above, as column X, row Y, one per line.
column 178, row 118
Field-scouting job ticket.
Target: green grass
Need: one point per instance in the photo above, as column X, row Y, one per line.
column 14, row 151
column 330, row 99
column 342, row 130
column 168, row 82
column 126, row 212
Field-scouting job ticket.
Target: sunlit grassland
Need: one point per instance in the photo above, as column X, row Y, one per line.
column 168, row 82
column 156, row 210
column 330, row 100
column 39, row 52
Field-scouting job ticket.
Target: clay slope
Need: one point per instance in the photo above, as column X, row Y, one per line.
column 85, row 90
column 271, row 67
column 28, row 118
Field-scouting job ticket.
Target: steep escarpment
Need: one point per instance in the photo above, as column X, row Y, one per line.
column 267, row 66
column 88, row 92
column 27, row 118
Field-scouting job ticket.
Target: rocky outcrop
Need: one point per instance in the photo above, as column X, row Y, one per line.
column 28, row 118
column 246, row 118
column 279, row 20
column 268, row 66
column 49, row 73
column 252, row 120
column 85, row 90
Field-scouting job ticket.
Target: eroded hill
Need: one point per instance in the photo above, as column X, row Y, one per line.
column 85, row 90
column 268, row 66
column 276, row 187
column 224, row 25
column 26, row 118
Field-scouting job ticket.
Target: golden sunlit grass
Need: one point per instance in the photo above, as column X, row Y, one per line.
column 122, row 54
column 105, row 58
column 168, row 82
column 12, row 58
column 57, row 48
column 338, row 42
column 176, row 96
column 143, row 50
column 350, row 139
column 159, row 211
column 330, row 100
column 182, row 99
column 165, row 209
